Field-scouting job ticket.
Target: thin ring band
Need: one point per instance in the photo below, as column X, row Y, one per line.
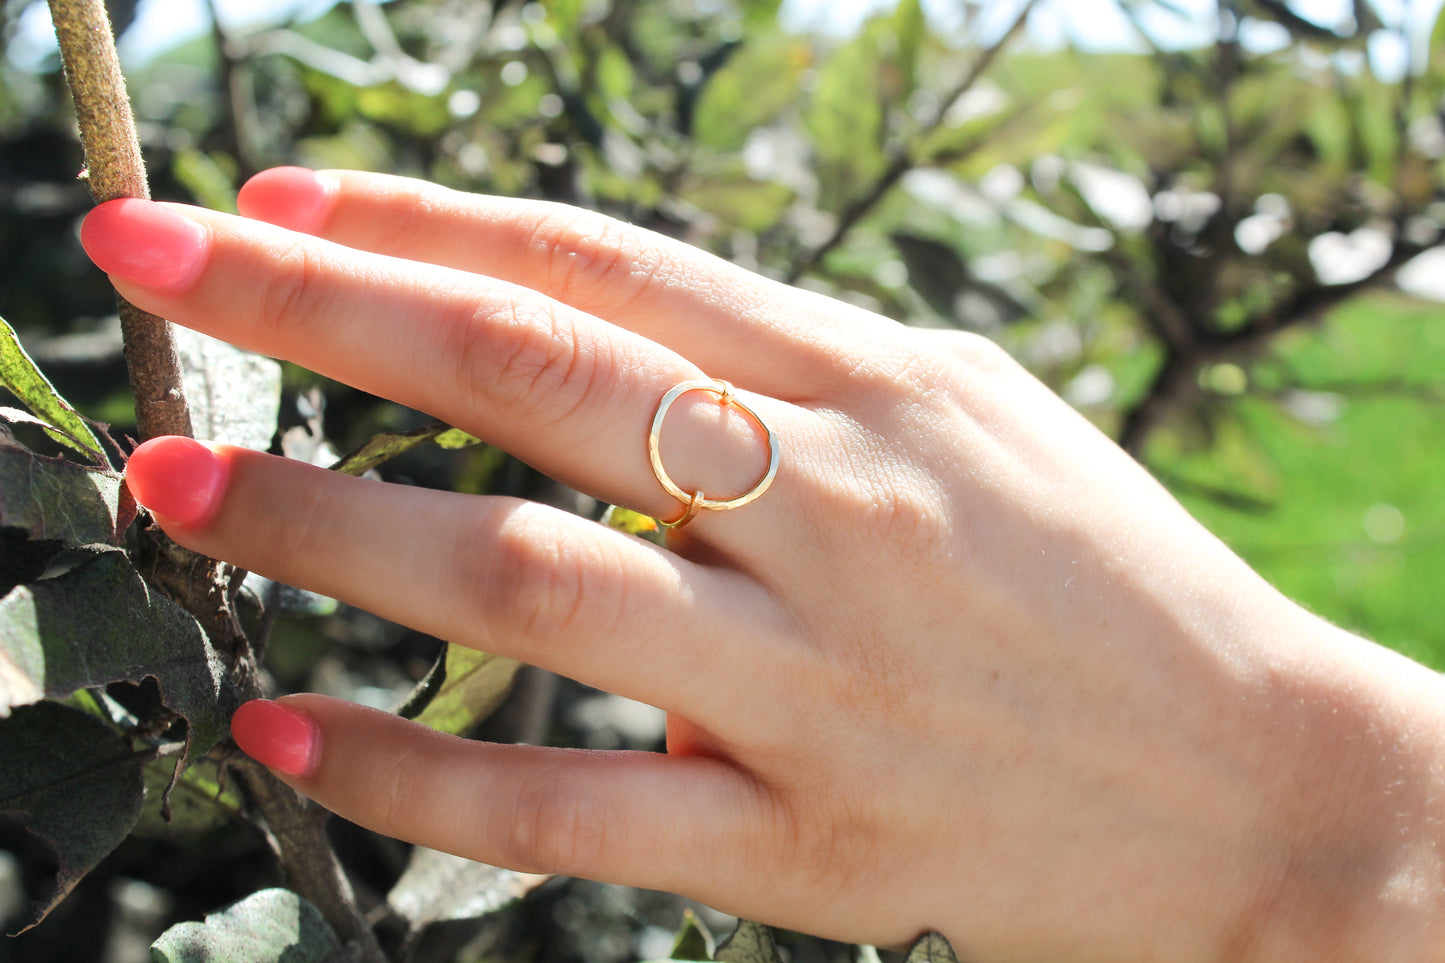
column 686, row 516
column 697, row 501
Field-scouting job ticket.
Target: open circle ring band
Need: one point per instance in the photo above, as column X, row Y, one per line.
column 694, row 502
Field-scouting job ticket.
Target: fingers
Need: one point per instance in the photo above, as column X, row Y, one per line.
column 500, row 575
column 735, row 324
column 642, row 819
column 572, row 395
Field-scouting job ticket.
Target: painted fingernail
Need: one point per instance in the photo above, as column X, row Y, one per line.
column 145, row 242
column 295, row 198
column 277, row 737
column 179, row 479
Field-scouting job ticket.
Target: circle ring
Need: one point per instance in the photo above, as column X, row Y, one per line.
column 696, row 501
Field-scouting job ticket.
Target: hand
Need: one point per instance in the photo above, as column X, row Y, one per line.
column 964, row 667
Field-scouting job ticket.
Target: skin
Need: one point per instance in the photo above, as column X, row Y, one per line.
column 965, row 667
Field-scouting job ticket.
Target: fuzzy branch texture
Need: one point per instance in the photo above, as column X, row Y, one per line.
column 113, row 169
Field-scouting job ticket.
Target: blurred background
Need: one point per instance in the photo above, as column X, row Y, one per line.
column 1213, row 227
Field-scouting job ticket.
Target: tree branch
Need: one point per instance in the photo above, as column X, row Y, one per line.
column 296, row 828
column 1178, row 373
column 114, row 169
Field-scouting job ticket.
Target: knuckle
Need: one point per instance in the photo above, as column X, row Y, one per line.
column 529, row 354
column 896, row 502
column 299, row 533
column 398, row 785
column 542, row 586
column 559, row 823
column 921, row 374
column 930, row 369
column 289, row 289
column 587, row 257
column 904, row 515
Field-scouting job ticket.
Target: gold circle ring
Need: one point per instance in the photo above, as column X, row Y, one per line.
column 695, row 502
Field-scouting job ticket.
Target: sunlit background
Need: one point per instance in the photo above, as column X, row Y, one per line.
column 1091, row 24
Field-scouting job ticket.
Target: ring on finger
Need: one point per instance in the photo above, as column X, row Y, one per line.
column 696, row 501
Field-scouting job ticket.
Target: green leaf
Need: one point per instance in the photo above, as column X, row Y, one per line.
column 693, row 941
column 750, row 943
column 1328, row 125
column 454, row 438
column 565, row 15
column 26, row 382
column 1437, row 45
column 438, row 887
column 101, row 623
column 932, row 948
column 910, row 27
column 1376, row 108
column 14, row 416
column 272, row 926
column 51, row 505
column 753, row 87
column 211, row 184
column 74, row 783
column 845, row 118
column 634, row 523
column 55, row 500
column 615, row 76
column 741, row 201
column 474, row 684
column 760, row 13
column 234, row 395
column 387, row 445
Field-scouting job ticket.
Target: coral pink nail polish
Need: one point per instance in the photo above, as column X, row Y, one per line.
column 179, row 479
column 145, row 242
column 291, row 197
column 277, row 737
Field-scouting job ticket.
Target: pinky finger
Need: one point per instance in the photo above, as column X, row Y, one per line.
column 636, row 818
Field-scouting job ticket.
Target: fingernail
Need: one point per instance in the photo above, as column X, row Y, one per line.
column 277, row 737
column 291, row 197
column 177, row 478
column 145, row 242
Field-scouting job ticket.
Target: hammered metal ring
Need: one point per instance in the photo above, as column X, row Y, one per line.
column 697, row 501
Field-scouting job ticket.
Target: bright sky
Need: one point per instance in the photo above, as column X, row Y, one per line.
column 1095, row 24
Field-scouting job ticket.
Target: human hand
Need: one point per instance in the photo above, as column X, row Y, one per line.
column 965, row 666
